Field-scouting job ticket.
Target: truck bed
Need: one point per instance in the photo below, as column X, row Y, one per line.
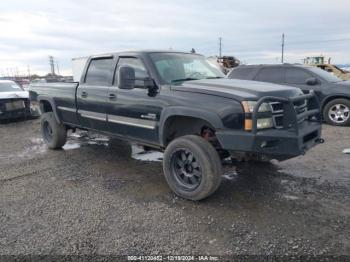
column 62, row 96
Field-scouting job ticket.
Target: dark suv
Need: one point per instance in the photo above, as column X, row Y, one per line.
column 332, row 92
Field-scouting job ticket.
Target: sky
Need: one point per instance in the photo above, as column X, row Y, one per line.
column 251, row 30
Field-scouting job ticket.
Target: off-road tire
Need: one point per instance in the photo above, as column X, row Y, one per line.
column 209, row 164
column 57, row 136
column 330, row 105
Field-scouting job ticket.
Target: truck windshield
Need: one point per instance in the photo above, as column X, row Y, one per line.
column 178, row 67
column 9, row 87
column 325, row 75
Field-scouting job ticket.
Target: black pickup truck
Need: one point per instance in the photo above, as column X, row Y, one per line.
column 177, row 103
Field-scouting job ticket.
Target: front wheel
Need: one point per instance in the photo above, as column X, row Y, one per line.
column 192, row 167
column 53, row 133
column 337, row 112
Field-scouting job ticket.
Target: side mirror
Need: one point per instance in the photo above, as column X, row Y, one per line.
column 151, row 86
column 311, row 81
column 126, row 77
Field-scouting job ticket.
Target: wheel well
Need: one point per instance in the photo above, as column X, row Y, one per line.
column 45, row 106
column 327, row 100
column 176, row 126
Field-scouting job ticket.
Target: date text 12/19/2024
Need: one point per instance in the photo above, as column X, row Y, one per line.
column 173, row 258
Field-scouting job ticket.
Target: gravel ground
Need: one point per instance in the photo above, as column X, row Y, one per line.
column 94, row 198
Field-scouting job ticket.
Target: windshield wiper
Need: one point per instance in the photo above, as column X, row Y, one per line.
column 183, row 79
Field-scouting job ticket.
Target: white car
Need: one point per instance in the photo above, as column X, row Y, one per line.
column 14, row 101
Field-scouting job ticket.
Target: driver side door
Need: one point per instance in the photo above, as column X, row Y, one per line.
column 133, row 113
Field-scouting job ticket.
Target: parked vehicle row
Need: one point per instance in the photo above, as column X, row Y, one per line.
column 176, row 102
column 332, row 92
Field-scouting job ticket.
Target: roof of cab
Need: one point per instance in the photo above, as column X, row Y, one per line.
column 141, row 52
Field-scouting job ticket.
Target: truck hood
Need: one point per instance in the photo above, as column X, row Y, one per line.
column 17, row 94
column 237, row 89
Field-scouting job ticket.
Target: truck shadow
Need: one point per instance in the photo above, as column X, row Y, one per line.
column 255, row 179
column 139, row 173
column 248, row 180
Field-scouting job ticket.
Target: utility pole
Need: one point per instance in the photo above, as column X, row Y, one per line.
column 52, row 65
column 220, row 47
column 28, row 68
column 282, row 59
column 58, row 69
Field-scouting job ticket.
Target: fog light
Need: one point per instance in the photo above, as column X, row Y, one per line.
column 264, row 123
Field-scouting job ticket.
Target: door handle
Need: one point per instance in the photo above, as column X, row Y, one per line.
column 84, row 94
column 112, row 96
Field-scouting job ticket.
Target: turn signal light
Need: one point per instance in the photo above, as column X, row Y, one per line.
column 248, row 124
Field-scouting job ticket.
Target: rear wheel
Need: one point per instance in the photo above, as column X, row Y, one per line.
column 192, row 167
column 53, row 133
column 337, row 112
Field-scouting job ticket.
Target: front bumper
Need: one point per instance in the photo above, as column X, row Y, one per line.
column 273, row 143
column 299, row 130
column 13, row 113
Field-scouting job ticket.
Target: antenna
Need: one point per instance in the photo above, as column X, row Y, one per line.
column 220, row 46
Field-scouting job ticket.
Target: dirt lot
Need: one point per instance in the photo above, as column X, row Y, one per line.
column 93, row 198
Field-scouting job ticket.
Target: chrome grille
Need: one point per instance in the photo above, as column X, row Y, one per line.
column 276, row 107
column 277, row 112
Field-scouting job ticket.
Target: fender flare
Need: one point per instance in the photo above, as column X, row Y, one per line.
column 210, row 117
column 53, row 106
column 333, row 96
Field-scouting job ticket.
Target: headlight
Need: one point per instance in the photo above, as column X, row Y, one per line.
column 250, row 105
column 264, row 123
column 261, row 123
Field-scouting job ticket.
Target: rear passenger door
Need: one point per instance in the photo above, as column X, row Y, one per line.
column 92, row 93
